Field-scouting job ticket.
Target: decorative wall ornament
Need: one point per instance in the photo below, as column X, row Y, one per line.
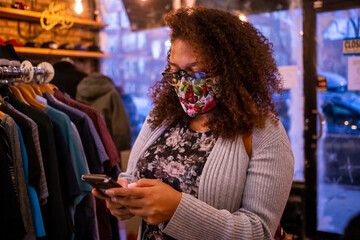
column 56, row 13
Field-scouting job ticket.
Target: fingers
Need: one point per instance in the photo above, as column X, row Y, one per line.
column 116, row 208
column 128, row 202
column 123, row 182
column 138, row 212
column 121, row 213
column 111, row 205
column 147, row 182
column 99, row 194
column 134, row 192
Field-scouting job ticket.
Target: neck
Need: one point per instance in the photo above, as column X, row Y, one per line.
column 198, row 122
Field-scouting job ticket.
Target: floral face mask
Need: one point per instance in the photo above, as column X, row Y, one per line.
column 194, row 91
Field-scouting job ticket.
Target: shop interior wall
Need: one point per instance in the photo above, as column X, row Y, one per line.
column 32, row 32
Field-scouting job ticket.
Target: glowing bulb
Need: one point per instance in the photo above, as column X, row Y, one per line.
column 242, row 17
column 167, row 44
column 353, row 127
column 346, row 123
column 78, row 6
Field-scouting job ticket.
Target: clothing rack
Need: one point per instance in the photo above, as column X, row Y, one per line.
column 50, row 152
column 13, row 71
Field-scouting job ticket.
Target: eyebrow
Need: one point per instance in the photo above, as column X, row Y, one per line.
column 189, row 65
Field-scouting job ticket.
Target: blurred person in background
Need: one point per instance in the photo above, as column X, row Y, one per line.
column 67, row 76
column 99, row 91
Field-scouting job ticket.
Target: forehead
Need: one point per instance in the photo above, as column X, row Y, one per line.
column 182, row 53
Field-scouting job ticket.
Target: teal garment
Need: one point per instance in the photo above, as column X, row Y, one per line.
column 34, row 201
column 77, row 157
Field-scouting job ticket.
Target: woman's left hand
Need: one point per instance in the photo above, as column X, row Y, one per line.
column 150, row 199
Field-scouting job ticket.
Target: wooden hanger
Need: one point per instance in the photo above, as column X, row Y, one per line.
column 46, row 88
column 18, row 94
column 2, row 115
column 36, row 88
column 53, row 86
column 29, row 94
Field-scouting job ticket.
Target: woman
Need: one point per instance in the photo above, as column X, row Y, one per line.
column 191, row 175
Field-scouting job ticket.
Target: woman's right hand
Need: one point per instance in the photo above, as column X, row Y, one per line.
column 116, row 209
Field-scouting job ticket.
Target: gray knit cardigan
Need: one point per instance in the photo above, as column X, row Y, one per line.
column 238, row 197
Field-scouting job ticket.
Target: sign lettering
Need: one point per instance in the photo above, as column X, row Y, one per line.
column 351, row 46
column 56, row 14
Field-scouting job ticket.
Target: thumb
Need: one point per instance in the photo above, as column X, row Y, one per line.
column 146, row 182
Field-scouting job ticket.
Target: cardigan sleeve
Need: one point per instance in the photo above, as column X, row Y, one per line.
column 266, row 190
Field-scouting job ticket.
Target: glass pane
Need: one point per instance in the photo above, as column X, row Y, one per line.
column 339, row 148
column 137, row 60
column 284, row 30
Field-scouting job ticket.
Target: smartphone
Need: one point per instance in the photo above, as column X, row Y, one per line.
column 100, row 181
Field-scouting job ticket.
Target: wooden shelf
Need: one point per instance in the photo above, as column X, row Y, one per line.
column 59, row 52
column 32, row 16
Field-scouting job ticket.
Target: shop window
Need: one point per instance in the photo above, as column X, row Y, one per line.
column 138, row 58
column 283, row 29
column 141, row 40
column 338, row 165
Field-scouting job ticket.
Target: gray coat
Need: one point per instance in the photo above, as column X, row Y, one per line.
column 98, row 91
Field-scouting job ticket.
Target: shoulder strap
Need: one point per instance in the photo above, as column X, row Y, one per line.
column 247, row 144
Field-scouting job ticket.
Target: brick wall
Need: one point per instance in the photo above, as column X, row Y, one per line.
column 24, row 32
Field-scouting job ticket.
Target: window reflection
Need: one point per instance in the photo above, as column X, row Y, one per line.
column 283, row 29
column 138, row 58
column 339, row 148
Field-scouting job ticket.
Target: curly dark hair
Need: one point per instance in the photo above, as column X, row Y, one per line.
column 239, row 55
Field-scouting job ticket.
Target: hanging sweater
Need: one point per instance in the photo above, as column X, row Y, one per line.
column 99, row 92
column 239, row 198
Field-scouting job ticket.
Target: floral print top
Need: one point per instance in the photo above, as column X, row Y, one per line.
column 177, row 158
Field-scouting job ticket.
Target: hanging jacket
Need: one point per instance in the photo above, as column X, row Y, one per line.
column 98, row 91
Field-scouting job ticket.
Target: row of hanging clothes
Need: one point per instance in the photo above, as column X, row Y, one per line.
column 48, row 141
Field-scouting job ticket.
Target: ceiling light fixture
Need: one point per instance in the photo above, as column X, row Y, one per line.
column 242, row 17
column 78, row 6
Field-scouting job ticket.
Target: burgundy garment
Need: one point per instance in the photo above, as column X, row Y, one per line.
column 98, row 123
